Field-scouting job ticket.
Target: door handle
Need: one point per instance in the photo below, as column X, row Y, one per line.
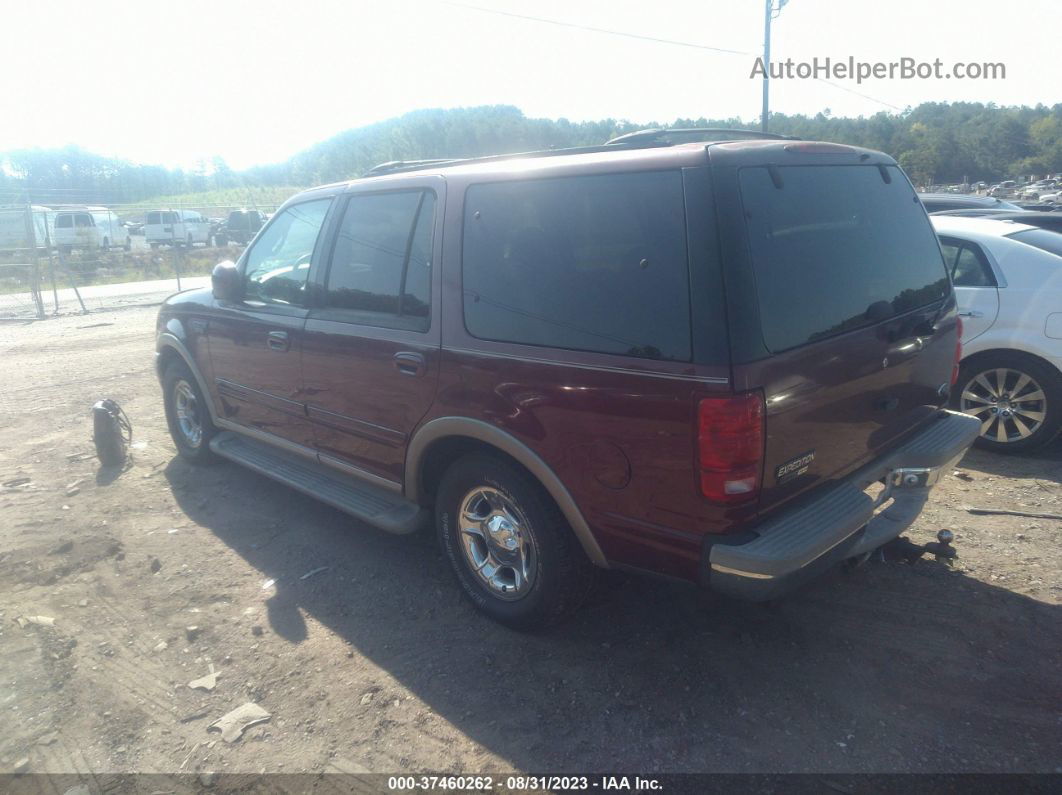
column 409, row 363
column 972, row 313
column 278, row 341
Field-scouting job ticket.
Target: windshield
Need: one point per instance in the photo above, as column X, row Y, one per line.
column 1043, row 239
column 836, row 248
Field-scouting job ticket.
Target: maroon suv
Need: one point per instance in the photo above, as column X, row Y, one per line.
column 694, row 359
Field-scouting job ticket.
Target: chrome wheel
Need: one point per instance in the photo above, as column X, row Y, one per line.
column 1010, row 404
column 497, row 542
column 186, row 408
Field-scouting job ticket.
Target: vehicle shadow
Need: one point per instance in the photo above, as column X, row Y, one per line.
column 890, row 667
column 1025, row 465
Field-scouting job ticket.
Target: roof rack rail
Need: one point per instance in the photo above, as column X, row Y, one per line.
column 406, row 165
column 642, row 139
column 396, row 166
column 659, row 137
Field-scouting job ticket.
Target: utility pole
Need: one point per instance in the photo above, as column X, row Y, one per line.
column 771, row 10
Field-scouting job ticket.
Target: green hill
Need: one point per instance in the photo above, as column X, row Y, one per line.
column 934, row 142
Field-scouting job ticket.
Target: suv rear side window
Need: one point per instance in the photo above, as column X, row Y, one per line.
column 594, row 263
column 836, row 248
column 381, row 263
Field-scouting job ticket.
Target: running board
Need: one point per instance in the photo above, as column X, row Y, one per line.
column 373, row 505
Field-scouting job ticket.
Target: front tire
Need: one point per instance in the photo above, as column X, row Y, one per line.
column 187, row 414
column 1017, row 397
column 513, row 553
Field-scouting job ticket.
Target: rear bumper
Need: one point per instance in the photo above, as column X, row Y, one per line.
column 841, row 521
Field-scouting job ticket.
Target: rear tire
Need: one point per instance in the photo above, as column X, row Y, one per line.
column 508, row 543
column 187, row 414
column 1017, row 397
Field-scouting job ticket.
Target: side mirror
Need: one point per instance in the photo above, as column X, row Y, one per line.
column 225, row 280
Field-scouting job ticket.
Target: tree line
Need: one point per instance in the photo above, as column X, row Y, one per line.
column 935, row 142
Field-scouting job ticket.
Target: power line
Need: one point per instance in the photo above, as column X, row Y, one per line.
column 592, row 29
column 858, row 93
column 654, row 39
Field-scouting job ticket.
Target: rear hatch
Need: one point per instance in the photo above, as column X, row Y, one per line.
column 160, row 225
column 847, row 292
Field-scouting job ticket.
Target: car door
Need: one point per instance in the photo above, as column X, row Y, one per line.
column 976, row 287
column 371, row 344
column 255, row 343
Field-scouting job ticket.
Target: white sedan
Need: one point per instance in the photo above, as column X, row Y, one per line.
column 1008, row 285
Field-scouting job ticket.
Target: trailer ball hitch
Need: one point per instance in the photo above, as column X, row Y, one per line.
column 905, row 550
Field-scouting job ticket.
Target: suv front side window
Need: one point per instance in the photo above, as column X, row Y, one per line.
column 278, row 264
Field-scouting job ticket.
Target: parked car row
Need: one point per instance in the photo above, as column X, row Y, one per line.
column 63, row 228
column 188, row 228
column 1039, row 190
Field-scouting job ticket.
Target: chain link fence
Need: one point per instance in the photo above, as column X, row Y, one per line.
column 63, row 259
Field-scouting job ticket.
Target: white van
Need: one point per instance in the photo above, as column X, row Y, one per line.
column 176, row 228
column 88, row 228
column 13, row 226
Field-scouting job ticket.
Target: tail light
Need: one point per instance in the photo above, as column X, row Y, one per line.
column 958, row 351
column 730, row 446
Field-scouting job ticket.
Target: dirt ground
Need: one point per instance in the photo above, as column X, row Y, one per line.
column 377, row 663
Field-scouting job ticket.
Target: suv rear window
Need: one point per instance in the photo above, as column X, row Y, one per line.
column 836, row 248
column 594, row 263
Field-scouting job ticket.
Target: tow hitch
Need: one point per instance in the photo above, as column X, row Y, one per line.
column 905, row 550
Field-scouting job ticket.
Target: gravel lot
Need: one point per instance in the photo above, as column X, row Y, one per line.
column 376, row 663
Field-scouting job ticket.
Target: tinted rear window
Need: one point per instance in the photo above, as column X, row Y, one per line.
column 1043, row 239
column 587, row 263
column 837, row 248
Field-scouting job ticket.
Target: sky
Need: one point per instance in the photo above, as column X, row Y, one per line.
column 254, row 82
